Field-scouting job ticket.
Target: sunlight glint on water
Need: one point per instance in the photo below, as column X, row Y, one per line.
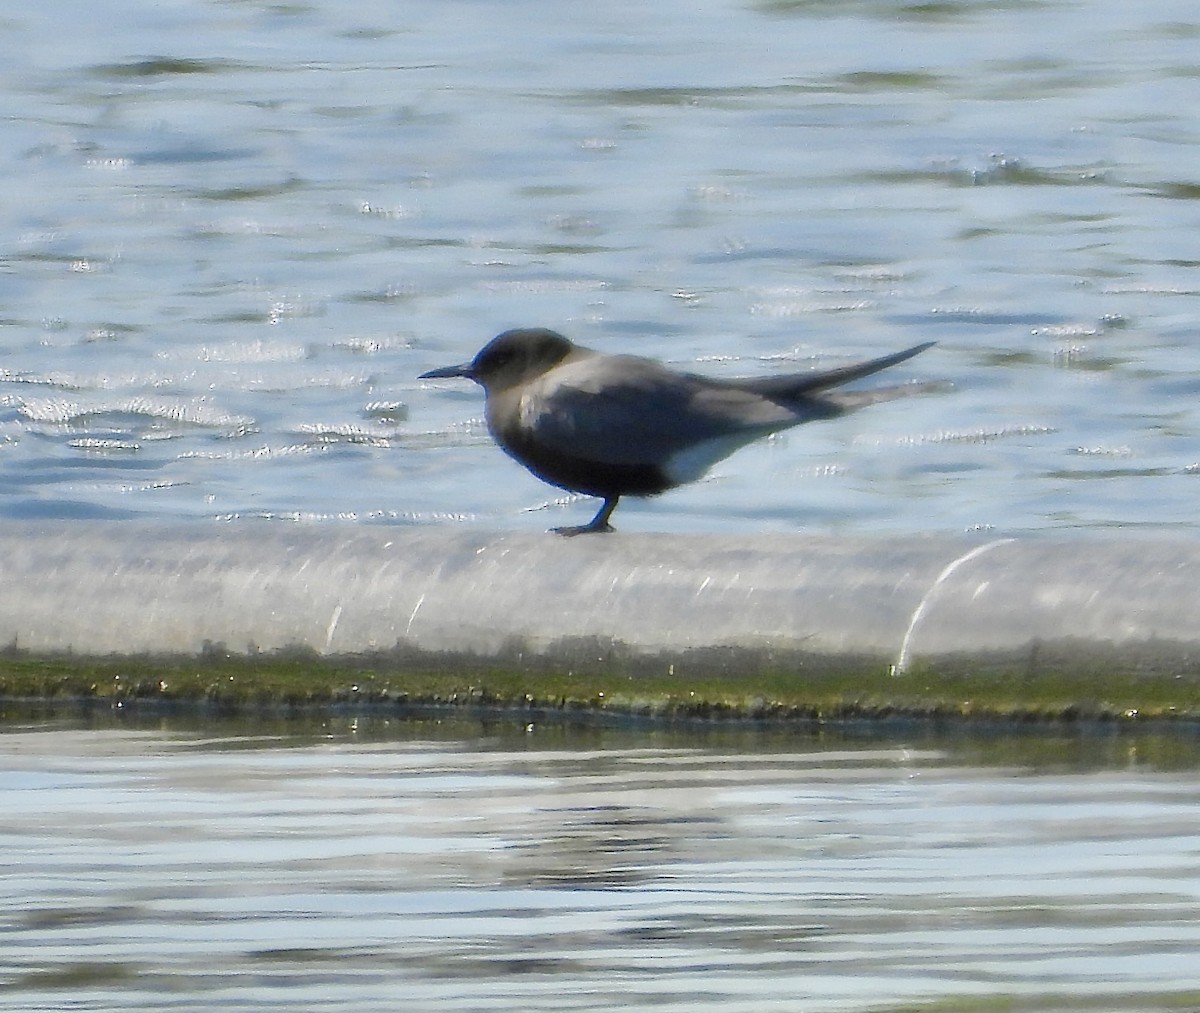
column 234, row 230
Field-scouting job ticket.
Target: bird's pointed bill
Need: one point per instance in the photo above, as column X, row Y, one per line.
column 463, row 369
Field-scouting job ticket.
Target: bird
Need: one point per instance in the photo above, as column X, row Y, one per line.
column 622, row 425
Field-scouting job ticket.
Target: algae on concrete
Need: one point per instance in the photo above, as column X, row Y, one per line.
column 760, row 685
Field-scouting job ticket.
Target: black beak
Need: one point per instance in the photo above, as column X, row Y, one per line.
column 446, row 372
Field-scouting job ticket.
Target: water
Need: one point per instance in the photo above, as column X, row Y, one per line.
column 235, row 232
column 368, row 864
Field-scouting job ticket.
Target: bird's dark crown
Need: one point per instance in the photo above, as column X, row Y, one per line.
column 519, row 355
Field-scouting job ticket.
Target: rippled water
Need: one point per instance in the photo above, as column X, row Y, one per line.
column 365, row 864
column 235, row 232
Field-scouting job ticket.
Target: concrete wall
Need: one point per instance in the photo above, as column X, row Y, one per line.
column 131, row 587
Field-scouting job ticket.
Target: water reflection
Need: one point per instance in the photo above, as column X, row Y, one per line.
column 337, row 863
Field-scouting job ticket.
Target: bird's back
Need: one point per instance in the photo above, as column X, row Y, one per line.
column 625, row 409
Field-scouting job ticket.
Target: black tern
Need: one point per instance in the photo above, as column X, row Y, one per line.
column 620, row 425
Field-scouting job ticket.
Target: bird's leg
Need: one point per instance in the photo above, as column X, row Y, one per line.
column 597, row 525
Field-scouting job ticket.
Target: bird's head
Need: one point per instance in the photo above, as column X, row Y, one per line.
column 511, row 358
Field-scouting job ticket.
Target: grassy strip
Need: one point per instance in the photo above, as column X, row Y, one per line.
column 1163, row 1001
column 759, row 685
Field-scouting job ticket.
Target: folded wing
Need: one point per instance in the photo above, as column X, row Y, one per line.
column 627, row 410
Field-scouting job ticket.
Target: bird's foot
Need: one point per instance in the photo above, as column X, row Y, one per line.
column 583, row 529
column 598, row 525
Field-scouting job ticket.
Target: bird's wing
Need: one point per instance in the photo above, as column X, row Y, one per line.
column 796, row 385
column 627, row 410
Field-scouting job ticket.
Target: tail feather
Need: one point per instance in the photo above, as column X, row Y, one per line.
column 852, row 400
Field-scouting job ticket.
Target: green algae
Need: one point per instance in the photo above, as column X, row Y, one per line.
column 588, row 676
column 1038, row 1003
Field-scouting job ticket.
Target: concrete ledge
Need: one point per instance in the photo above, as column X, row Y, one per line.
column 131, row 587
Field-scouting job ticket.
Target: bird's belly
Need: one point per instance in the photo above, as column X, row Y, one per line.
column 692, row 463
column 579, row 474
